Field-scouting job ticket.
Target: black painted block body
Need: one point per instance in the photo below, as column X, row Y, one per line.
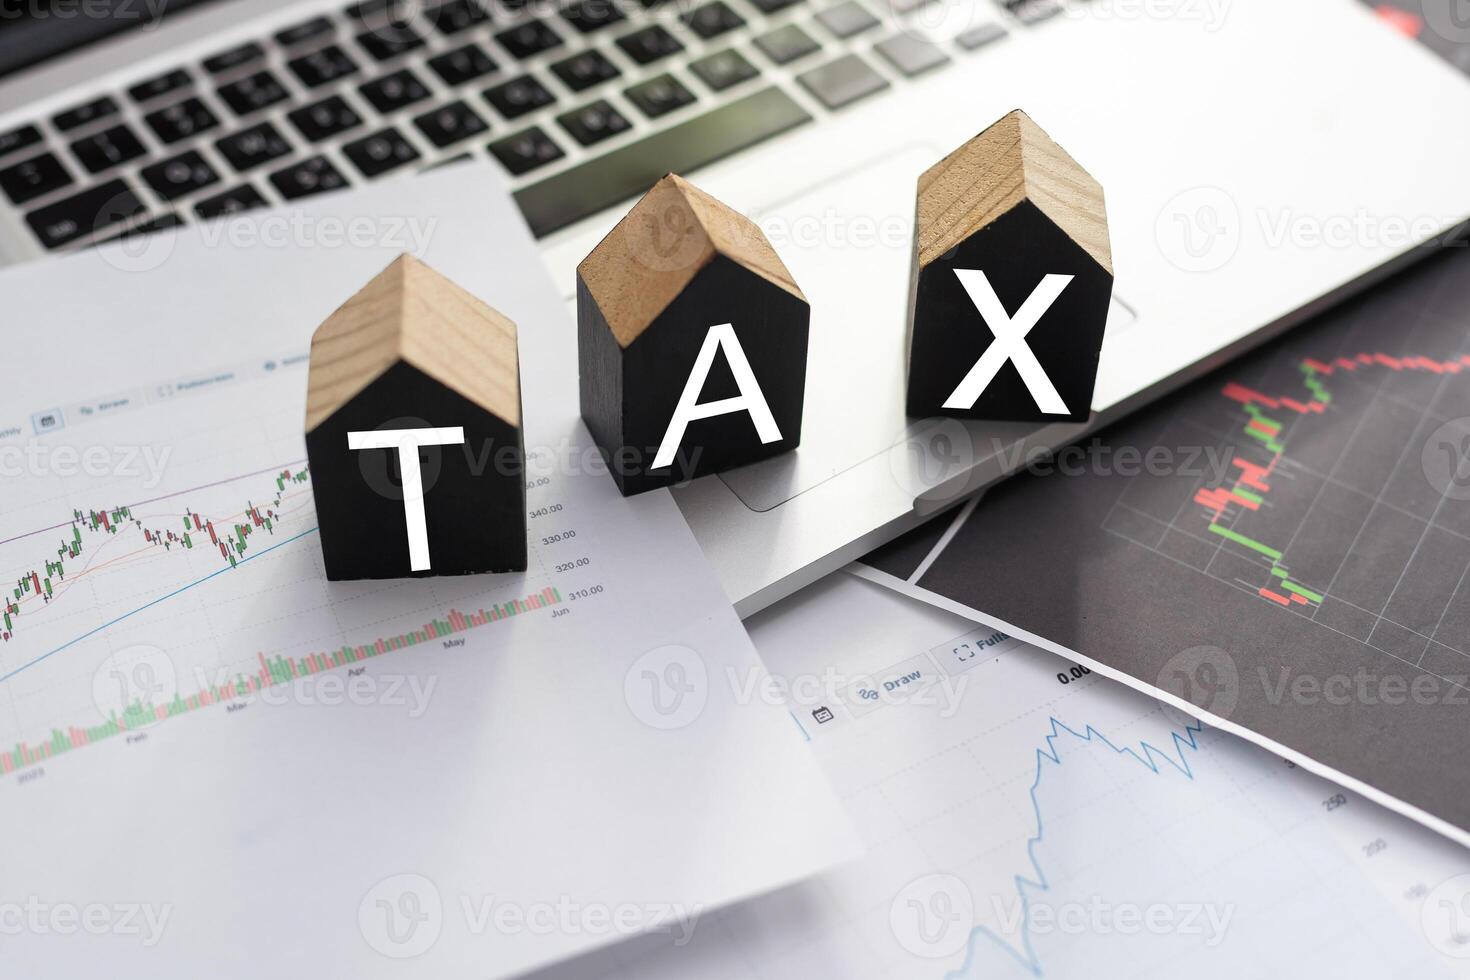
column 947, row 335
column 629, row 394
column 474, row 494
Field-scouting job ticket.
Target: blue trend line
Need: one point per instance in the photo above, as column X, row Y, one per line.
column 1150, row 759
column 148, row 605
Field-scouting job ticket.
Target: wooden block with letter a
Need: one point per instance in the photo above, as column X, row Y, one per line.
column 692, row 341
column 413, row 432
column 1011, row 281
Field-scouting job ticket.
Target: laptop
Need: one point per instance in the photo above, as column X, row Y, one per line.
column 1261, row 160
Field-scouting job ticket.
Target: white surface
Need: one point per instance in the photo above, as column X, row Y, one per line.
column 454, row 796
column 1040, row 826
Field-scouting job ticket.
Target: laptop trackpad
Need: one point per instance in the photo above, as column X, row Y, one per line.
column 848, row 243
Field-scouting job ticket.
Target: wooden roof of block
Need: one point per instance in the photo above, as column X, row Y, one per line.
column 673, row 232
column 409, row 312
column 1011, row 162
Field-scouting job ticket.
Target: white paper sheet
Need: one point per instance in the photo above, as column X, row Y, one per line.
column 485, row 802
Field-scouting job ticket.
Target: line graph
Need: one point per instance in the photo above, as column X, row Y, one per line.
column 1150, row 758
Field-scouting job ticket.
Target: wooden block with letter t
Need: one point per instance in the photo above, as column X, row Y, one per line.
column 692, row 341
column 1011, row 281
column 413, row 432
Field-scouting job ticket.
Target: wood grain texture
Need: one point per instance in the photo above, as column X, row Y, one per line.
column 1012, row 161
column 411, row 313
column 664, row 241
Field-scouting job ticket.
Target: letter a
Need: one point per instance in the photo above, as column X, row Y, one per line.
column 751, row 399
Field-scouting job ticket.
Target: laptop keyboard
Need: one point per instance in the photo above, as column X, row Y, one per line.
column 583, row 105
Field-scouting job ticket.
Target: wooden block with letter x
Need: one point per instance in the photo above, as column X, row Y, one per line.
column 1011, row 282
column 413, row 432
column 692, row 341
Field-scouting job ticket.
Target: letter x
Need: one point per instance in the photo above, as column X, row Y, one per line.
column 1010, row 342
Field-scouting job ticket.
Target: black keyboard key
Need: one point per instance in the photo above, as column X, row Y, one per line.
column 585, row 69
column 251, row 147
column 979, row 36
column 526, row 150
column 614, row 177
column 233, row 201
column 311, row 30
column 107, row 149
column 159, row 85
column 455, row 16
column 769, row 7
column 234, row 58
column 713, row 19
column 179, row 176
column 30, row 179
column 1031, row 12
column 311, row 176
column 392, row 92
column 322, row 66
column 722, row 69
column 87, row 112
column 910, row 54
column 591, row 15
column 649, row 45
column 519, row 96
column 83, row 214
column 659, row 95
column 389, row 40
column 786, row 44
column 326, row 118
column 462, row 65
column 18, row 139
column 530, row 38
column 181, row 120
column 847, row 19
column 374, row 10
column 450, row 124
column 380, row 152
column 842, row 81
column 593, row 123
column 252, row 93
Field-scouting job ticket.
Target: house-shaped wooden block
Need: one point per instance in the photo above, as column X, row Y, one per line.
column 692, row 341
column 413, row 432
column 1012, row 278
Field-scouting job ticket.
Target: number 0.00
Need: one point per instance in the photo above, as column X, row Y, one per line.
column 1075, row 673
